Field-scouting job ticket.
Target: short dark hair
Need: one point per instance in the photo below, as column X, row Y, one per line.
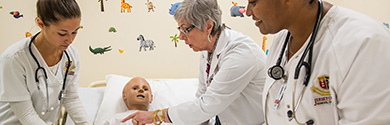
column 51, row 11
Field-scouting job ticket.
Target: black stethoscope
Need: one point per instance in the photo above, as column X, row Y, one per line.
column 40, row 68
column 277, row 72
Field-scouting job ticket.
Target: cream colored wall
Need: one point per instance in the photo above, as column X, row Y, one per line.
column 166, row 61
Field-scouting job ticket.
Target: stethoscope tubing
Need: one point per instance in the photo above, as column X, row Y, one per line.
column 309, row 47
column 308, row 65
column 36, row 61
column 61, row 94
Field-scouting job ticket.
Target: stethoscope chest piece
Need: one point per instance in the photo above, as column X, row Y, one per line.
column 276, row 72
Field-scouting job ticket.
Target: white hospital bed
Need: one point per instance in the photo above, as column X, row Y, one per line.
column 103, row 99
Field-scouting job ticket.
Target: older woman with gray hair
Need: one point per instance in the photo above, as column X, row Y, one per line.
column 232, row 72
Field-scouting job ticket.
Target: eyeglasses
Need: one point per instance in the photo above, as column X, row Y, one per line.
column 186, row 31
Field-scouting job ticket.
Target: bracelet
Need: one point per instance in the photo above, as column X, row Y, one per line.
column 160, row 115
column 154, row 117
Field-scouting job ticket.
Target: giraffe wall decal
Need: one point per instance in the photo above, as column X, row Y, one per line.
column 125, row 6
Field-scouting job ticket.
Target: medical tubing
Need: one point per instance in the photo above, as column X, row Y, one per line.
column 310, row 45
column 293, row 104
column 308, row 72
column 36, row 72
column 282, row 52
column 66, row 74
column 299, row 98
column 296, row 105
column 32, row 55
column 47, row 95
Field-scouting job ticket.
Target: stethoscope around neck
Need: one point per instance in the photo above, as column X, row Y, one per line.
column 277, row 72
column 44, row 79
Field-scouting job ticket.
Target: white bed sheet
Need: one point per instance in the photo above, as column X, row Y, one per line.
column 91, row 98
column 104, row 102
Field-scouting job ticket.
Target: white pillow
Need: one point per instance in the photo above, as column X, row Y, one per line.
column 166, row 93
column 112, row 100
column 171, row 92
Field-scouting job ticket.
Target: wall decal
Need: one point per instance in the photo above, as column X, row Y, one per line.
column 145, row 43
column 112, row 29
column 16, row 14
column 174, row 8
column 101, row 5
column 99, row 50
column 175, row 39
column 237, row 10
column 125, row 6
column 28, row 34
column 150, row 6
column 264, row 39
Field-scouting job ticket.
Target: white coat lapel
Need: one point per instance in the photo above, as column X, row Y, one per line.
column 221, row 44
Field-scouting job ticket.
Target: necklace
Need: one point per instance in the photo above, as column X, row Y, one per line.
column 210, row 55
column 209, row 58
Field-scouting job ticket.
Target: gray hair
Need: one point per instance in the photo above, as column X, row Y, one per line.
column 197, row 12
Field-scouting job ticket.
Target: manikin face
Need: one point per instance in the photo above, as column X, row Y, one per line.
column 137, row 93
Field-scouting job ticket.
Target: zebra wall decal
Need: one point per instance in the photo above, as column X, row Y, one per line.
column 145, row 43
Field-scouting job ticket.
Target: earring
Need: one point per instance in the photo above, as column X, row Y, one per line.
column 210, row 38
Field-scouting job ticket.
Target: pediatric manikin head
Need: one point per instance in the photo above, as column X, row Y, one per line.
column 137, row 94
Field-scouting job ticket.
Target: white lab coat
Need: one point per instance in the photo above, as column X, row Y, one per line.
column 348, row 83
column 17, row 83
column 235, row 92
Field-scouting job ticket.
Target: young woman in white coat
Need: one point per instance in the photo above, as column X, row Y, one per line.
column 39, row 73
column 327, row 64
column 231, row 88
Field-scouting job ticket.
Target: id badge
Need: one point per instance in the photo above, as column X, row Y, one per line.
column 279, row 97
